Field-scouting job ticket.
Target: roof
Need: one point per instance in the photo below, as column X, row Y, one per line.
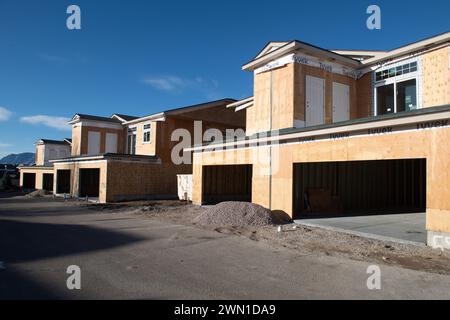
column 49, row 141
column 181, row 110
column 274, row 50
column 80, row 116
column 267, row 55
column 123, row 117
column 400, row 119
column 411, row 47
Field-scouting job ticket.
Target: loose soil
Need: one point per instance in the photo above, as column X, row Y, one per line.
column 302, row 239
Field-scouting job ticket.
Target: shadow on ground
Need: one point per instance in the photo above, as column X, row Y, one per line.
column 25, row 241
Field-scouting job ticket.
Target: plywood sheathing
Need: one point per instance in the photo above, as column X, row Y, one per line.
column 436, row 77
column 432, row 145
column 40, row 155
column 39, row 172
column 75, row 177
column 282, row 90
column 142, row 180
column 80, row 139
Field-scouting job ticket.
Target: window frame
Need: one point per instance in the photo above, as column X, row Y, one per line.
column 414, row 75
column 147, row 130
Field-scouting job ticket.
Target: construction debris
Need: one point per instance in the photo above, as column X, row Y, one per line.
column 239, row 214
column 38, row 194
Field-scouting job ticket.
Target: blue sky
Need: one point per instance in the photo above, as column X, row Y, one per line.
column 139, row 57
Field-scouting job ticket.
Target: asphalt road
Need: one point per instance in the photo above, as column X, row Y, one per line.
column 124, row 256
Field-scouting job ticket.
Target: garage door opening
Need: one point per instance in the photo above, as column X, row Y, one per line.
column 327, row 189
column 47, row 181
column 89, row 183
column 29, row 181
column 63, row 181
column 227, row 183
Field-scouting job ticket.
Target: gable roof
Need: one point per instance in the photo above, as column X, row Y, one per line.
column 267, row 54
column 49, row 141
column 123, row 117
column 181, row 110
column 351, row 58
column 79, row 116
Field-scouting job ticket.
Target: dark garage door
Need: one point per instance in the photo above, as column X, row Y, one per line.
column 29, row 181
column 47, row 181
column 89, row 182
column 359, row 187
column 227, row 183
column 63, row 181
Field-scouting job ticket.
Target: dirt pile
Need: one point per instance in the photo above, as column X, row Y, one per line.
column 37, row 194
column 240, row 214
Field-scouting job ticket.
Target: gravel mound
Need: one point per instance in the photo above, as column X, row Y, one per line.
column 239, row 214
column 37, row 194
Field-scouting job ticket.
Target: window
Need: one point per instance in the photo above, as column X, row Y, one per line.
column 404, row 99
column 396, row 88
column 385, row 99
column 406, row 95
column 397, row 71
column 146, row 133
column 131, row 141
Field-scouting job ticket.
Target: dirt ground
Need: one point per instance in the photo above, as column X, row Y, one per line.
column 304, row 240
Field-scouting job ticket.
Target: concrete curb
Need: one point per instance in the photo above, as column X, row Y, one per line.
column 362, row 234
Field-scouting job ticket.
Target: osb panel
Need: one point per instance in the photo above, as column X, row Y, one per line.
column 219, row 115
column 436, row 78
column 364, row 97
column 82, row 135
column 164, row 145
column 438, row 220
column 433, row 145
column 282, row 97
column 143, row 179
column 76, row 140
column 40, row 155
column 75, row 176
column 39, row 176
column 146, row 148
column 257, row 119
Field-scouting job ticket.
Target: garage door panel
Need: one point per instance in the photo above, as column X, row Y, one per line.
column 360, row 187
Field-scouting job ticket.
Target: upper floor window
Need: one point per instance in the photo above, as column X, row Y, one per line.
column 146, row 132
column 396, row 88
column 396, row 71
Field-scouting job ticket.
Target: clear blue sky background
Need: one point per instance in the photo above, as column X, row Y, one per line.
column 139, row 57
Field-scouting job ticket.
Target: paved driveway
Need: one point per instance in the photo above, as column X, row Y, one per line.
column 128, row 256
column 407, row 227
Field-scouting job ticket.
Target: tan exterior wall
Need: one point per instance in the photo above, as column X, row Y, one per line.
column 436, row 77
column 285, row 87
column 120, row 180
column 143, row 180
column 40, row 154
column 146, row 148
column 75, row 177
column 76, row 140
column 364, row 97
column 39, row 175
column 80, row 139
column 430, row 144
column 277, row 86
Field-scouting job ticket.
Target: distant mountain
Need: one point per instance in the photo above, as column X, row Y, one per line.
column 25, row 158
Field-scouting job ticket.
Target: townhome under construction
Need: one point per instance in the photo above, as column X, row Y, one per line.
column 125, row 157
column 328, row 133
column 339, row 133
